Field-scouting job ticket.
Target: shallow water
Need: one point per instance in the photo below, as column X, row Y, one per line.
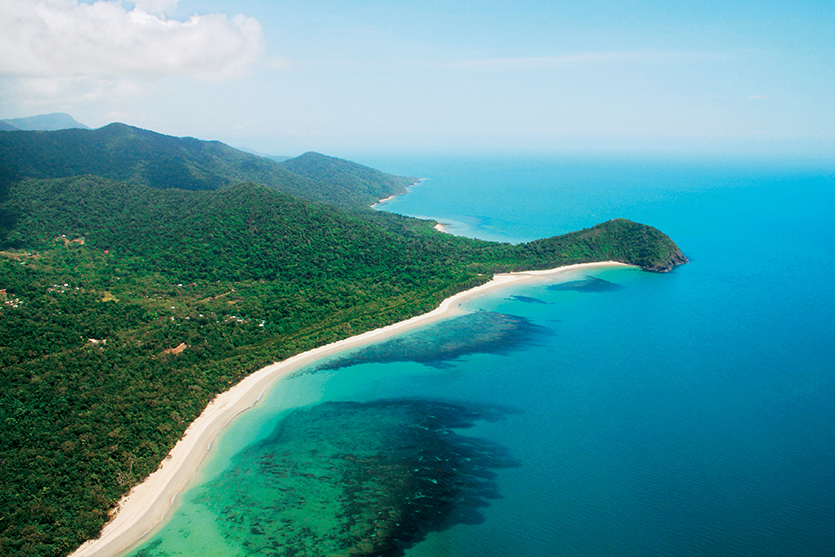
column 614, row 412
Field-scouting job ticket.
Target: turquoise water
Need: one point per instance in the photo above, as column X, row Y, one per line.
column 616, row 412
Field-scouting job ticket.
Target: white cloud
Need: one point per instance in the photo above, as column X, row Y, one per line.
column 65, row 38
column 156, row 7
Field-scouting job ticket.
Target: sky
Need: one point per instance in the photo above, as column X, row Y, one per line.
column 434, row 76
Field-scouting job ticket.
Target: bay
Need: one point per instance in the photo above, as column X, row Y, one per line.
column 623, row 412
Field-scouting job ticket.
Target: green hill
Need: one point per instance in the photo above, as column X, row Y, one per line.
column 356, row 180
column 615, row 240
column 245, row 231
column 143, row 157
column 107, row 263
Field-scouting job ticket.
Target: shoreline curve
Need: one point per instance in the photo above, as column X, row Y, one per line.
column 148, row 505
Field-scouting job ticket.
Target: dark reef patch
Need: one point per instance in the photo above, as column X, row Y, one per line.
column 527, row 300
column 480, row 332
column 588, row 284
column 151, row 549
column 358, row 479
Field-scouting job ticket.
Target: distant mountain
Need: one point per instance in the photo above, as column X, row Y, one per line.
column 6, row 127
column 142, row 157
column 44, row 122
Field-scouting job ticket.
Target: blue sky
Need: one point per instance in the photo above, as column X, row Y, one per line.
column 347, row 78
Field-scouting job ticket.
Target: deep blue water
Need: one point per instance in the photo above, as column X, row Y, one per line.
column 689, row 413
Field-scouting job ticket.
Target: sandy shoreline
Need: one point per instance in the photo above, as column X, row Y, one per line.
column 149, row 504
column 389, row 198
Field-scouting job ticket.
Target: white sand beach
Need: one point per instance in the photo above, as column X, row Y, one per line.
column 389, row 198
column 149, row 504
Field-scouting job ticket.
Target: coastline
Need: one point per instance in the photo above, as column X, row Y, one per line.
column 149, row 504
column 389, row 198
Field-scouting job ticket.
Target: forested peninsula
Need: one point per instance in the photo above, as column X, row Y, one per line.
column 143, row 274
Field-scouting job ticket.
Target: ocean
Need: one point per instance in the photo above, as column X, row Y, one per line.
column 606, row 412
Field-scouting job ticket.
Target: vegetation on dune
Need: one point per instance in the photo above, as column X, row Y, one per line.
column 136, row 286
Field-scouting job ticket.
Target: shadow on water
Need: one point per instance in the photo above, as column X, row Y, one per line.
column 588, row 284
column 438, row 344
column 150, row 549
column 527, row 300
column 358, row 479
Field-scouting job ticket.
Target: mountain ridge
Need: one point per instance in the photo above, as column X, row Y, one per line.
column 43, row 122
column 121, row 152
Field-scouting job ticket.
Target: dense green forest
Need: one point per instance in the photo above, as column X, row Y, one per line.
column 140, row 275
column 143, row 157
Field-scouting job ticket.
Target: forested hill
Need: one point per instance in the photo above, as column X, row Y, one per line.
column 243, row 232
column 369, row 183
column 142, row 157
column 127, row 302
column 615, row 240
